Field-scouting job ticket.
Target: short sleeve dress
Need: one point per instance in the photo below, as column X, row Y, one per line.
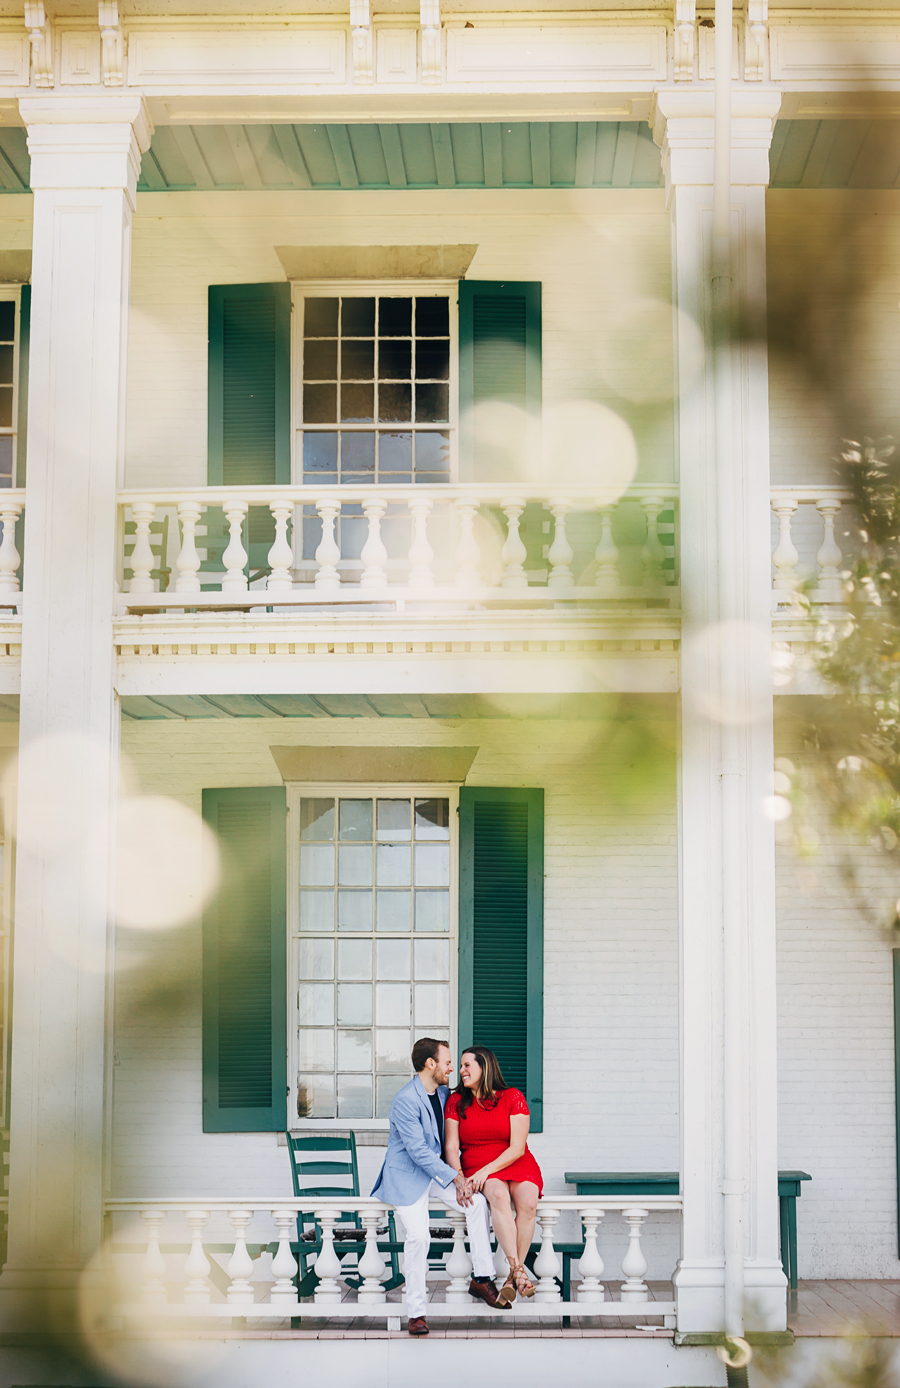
column 484, row 1134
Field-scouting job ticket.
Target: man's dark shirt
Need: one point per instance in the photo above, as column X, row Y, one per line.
column 435, row 1101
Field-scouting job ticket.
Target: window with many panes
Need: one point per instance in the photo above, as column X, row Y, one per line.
column 373, row 943
column 9, row 316
column 376, row 397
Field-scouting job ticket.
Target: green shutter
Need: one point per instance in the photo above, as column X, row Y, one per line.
column 501, row 932
column 245, row 965
column 499, row 359
column 22, row 425
column 249, row 396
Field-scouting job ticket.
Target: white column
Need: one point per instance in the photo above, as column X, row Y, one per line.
column 85, row 158
column 726, row 868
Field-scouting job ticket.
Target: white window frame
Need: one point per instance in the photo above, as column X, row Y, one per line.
column 328, row 289
column 348, row 791
column 13, row 293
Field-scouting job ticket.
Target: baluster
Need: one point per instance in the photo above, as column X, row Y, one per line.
column 240, row 1264
column 154, row 1264
column 501, row 1266
column 188, row 561
column 468, row 553
column 785, row 556
column 421, row 555
column 513, row 552
column 634, row 1264
column 197, row 1265
column 141, row 562
column 328, row 1264
column 590, row 1264
column 830, row 587
column 235, row 556
column 459, row 1264
column 281, row 555
column 373, row 553
column 10, row 558
column 653, row 554
column 547, row 1264
column 560, row 552
column 607, row 556
column 371, row 1264
column 284, row 1264
column 328, row 554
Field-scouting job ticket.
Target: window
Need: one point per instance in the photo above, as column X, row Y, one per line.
column 9, row 380
column 377, row 388
column 374, row 942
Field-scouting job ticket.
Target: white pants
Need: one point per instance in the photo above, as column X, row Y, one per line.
column 418, row 1237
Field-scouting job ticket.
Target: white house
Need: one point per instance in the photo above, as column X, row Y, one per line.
column 366, row 501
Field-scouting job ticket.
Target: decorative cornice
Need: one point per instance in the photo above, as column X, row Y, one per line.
column 111, row 56
column 755, row 33
column 685, row 34
column 41, row 35
column 430, row 24
column 363, row 46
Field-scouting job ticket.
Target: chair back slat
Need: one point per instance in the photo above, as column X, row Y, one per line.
column 326, row 1168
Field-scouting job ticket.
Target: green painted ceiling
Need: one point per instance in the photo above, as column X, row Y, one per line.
column 556, row 154
column 139, row 707
column 836, row 154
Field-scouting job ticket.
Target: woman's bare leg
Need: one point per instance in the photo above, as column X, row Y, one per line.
column 502, row 1217
column 525, row 1197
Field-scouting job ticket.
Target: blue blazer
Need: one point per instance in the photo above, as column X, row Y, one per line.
column 413, row 1158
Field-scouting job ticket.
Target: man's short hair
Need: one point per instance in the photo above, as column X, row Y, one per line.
column 426, row 1048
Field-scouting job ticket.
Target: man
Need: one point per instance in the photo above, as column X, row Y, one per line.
column 414, row 1165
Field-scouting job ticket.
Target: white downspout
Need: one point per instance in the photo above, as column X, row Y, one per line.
column 733, row 693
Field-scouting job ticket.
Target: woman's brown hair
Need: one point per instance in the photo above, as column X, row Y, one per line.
column 492, row 1081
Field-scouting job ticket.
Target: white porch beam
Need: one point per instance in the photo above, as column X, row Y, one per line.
column 727, row 870
column 85, row 158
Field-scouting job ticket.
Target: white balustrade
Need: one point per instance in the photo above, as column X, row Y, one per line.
column 235, row 556
column 141, row 560
column 328, row 1264
column 240, row 1265
column 459, row 1264
column 281, row 556
column 590, row 1264
column 371, row 1264
column 547, row 1264
column 197, row 1266
column 634, row 1264
column 153, row 1288
column 188, row 561
column 11, row 507
column 794, row 571
column 284, row 1264
column 454, row 550
column 335, row 1299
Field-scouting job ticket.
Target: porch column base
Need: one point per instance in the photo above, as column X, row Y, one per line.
column 35, row 1300
column 700, row 1297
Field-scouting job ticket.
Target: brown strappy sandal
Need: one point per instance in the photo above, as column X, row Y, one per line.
column 520, row 1273
column 507, row 1294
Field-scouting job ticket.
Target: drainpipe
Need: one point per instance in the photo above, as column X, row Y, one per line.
column 733, row 695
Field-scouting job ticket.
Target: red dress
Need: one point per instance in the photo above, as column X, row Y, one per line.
column 484, row 1134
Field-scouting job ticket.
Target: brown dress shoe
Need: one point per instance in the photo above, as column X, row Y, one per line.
column 418, row 1326
column 485, row 1291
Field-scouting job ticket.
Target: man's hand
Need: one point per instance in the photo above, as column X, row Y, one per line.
column 462, row 1190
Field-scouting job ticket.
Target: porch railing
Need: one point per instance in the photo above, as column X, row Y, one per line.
column 197, row 548
column 12, row 504
column 807, row 516
column 275, row 1221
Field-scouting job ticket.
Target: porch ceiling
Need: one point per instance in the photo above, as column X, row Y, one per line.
column 836, row 154
column 555, row 154
column 138, row 707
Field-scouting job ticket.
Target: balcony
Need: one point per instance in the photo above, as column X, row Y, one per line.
column 208, row 1273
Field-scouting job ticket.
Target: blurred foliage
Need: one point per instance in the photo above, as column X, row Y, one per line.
column 855, row 733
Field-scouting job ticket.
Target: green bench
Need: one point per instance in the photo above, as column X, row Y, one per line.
column 667, row 1183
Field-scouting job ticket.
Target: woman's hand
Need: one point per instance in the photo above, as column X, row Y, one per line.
column 477, row 1179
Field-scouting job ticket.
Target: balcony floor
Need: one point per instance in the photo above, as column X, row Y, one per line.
column 818, row 1309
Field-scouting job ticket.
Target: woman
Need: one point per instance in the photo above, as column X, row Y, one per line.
column 486, row 1137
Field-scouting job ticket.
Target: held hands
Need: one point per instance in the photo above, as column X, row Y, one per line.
column 476, row 1181
column 462, row 1189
